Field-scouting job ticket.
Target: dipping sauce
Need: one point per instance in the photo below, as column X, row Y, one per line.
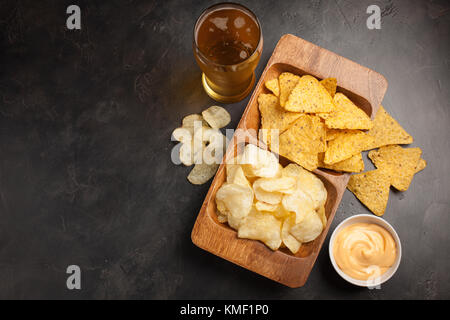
column 364, row 250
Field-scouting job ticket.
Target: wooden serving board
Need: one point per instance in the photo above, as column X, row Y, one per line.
column 363, row 86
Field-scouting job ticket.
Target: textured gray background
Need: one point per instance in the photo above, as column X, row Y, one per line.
column 85, row 123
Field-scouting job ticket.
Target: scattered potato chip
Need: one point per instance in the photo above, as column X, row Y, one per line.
column 353, row 164
column 310, row 184
column 309, row 96
column 345, row 145
column 236, row 198
column 273, row 116
column 263, row 227
column 257, row 162
column 401, row 163
column 186, row 154
column 263, row 206
column 322, row 215
column 189, row 121
column 307, row 134
column 387, row 131
column 347, row 115
column 202, row 172
column 236, row 175
column 291, row 243
column 308, row 229
column 287, row 82
column 266, row 196
column 300, row 203
column 282, row 184
column 273, row 86
column 421, row 165
column 330, row 84
column 182, row 134
column 217, row 117
column 372, row 189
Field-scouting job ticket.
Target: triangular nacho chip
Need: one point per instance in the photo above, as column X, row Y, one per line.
column 372, row 189
column 346, row 144
column 306, row 134
column 353, row 164
column 273, row 116
column 309, row 96
column 308, row 161
column 330, row 84
column 421, row 165
column 347, row 115
column 387, row 131
column 273, row 86
column 287, row 82
column 400, row 162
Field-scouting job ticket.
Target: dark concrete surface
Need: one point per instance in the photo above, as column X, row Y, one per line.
column 85, row 170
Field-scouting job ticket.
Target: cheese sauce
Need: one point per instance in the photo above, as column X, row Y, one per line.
column 364, row 250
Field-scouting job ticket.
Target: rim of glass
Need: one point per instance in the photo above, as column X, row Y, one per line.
column 224, row 4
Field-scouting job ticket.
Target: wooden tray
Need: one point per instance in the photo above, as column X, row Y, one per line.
column 363, row 86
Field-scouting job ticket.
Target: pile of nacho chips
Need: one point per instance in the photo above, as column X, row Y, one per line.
column 318, row 127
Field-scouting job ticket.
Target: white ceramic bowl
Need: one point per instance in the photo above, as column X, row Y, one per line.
column 367, row 218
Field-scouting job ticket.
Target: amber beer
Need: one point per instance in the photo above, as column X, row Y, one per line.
column 227, row 46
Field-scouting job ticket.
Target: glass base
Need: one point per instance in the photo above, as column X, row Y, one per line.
column 227, row 99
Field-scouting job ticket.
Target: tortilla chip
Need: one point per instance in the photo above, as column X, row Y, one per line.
column 345, row 145
column 287, row 82
column 309, row 96
column 330, row 84
column 421, row 165
column 387, row 131
column 273, row 86
column 372, row 189
column 309, row 161
column 347, row 115
column 353, row 164
column 273, row 116
column 400, row 162
column 306, row 134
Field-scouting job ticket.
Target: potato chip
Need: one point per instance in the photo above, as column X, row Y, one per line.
column 372, row 189
column 237, row 199
column 202, row 172
column 347, row 115
column 400, row 162
column 282, row 184
column 300, row 203
column 186, row 154
column 222, row 218
column 280, row 212
column 257, row 162
column 182, row 134
column 345, row 145
column 263, row 227
column 308, row 229
column 263, row 206
column 322, row 215
column 353, row 164
column 421, row 165
column 387, row 131
column 307, row 134
column 330, row 84
column 190, row 120
column 236, row 175
column 273, row 86
column 310, row 184
column 217, row 117
column 309, row 96
column 266, row 196
column 273, row 116
column 291, row 243
column 287, row 82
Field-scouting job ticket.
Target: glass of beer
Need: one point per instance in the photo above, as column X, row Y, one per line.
column 227, row 46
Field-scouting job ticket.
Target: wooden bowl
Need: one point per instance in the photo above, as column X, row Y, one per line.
column 363, row 86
